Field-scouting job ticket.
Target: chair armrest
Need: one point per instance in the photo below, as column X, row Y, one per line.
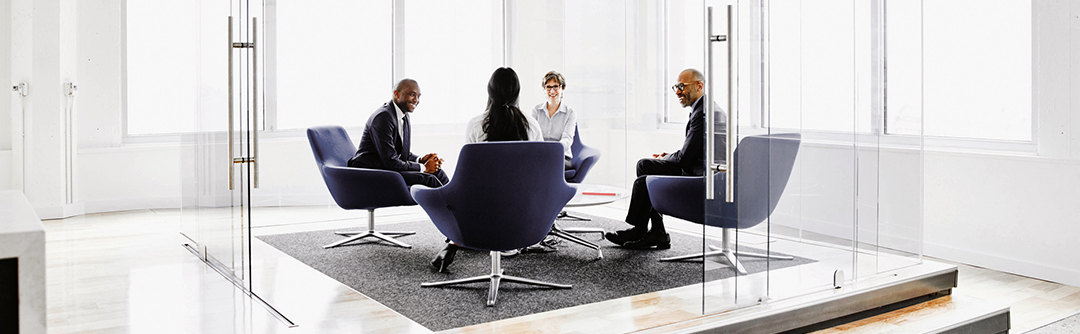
column 440, row 212
column 588, row 156
column 363, row 188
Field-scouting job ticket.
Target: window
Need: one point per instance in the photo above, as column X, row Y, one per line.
column 162, row 46
column 812, row 66
column 683, row 47
column 452, row 66
column 976, row 68
column 335, row 72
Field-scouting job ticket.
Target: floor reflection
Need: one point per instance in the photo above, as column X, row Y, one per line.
column 127, row 272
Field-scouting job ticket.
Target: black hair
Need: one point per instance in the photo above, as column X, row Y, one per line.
column 504, row 120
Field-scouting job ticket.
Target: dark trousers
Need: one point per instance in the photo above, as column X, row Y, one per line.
column 641, row 209
column 431, row 180
column 567, row 165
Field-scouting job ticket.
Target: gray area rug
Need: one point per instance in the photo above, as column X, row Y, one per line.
column 1064, row 326
column 392, row 275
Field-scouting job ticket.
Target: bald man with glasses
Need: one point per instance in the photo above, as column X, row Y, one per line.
column 687, row 161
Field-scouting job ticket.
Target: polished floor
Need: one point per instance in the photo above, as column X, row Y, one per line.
column 127, row 272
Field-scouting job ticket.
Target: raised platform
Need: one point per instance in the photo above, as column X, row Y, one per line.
column 948, row 314
column 22, row 254
column 802, row 312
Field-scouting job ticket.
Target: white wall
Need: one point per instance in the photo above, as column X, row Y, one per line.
column 5, row 98
column 5, row 82
column 99, row 99
column 1014, row 214
column 128, row 178
column 1019, row 214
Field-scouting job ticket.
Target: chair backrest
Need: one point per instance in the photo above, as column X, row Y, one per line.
column 331, row 145
column 353, row 188
column 576, row 146
column 504, row 195
column 582, row 161
column 763, row 166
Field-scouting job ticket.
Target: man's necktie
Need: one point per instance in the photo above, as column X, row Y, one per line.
column 406, row 137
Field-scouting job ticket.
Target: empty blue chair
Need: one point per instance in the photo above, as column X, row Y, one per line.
column 583, row 160
column 762, row 168
column 503, row 196
column 356, row 188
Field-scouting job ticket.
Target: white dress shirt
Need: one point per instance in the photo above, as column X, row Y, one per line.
column 474, row 131
column 557, row 127
column 400, row 115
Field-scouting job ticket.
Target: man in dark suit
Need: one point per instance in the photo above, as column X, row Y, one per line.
column 388, row 137
column 690, row 160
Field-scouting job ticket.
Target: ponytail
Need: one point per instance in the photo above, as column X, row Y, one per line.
column 504, row 120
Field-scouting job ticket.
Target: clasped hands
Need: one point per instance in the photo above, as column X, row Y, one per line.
column 432, row 162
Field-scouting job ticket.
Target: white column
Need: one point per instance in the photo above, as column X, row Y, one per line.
column 43, row 56
column 1056, row 81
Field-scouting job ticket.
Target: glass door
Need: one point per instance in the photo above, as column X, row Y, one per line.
column 312, row 75
column 219, row 166
column 747, row 165
column 813, row 194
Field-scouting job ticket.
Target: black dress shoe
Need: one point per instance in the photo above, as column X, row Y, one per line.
column 538, row 248
column 624, row 236
column 650, row 241
column 445, row 257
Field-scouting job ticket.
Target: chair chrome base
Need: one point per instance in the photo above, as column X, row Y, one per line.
column 387, row 236
column 563, row 233
column 728, row 255
column 495, row 278
column 566, row 215
column 596, row 230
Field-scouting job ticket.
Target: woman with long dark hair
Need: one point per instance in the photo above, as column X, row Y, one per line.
column 503, row 120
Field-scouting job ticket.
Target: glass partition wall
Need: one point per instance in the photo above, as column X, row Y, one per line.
column 816, row 183
column 812, row 78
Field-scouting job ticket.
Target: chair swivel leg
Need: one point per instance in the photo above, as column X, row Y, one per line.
column 494, row 279
column 387, row 236
column 756, row 255
column 728, row 255
column 567, row 215
column 556, row 231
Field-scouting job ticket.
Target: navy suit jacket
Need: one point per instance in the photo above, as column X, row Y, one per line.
column 691, row 157
column 381, row 147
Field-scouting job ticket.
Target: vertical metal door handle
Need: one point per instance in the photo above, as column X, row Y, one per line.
column 230, row 132
column 255, row 98
column 710, row 119
column 732, row 125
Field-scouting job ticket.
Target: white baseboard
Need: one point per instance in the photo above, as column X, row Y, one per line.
column 173, row 202
column 125, row 204
column 60, row 211
column 1028, row 268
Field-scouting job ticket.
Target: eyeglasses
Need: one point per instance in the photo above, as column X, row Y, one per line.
column 552, row 87
column 681, row 86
